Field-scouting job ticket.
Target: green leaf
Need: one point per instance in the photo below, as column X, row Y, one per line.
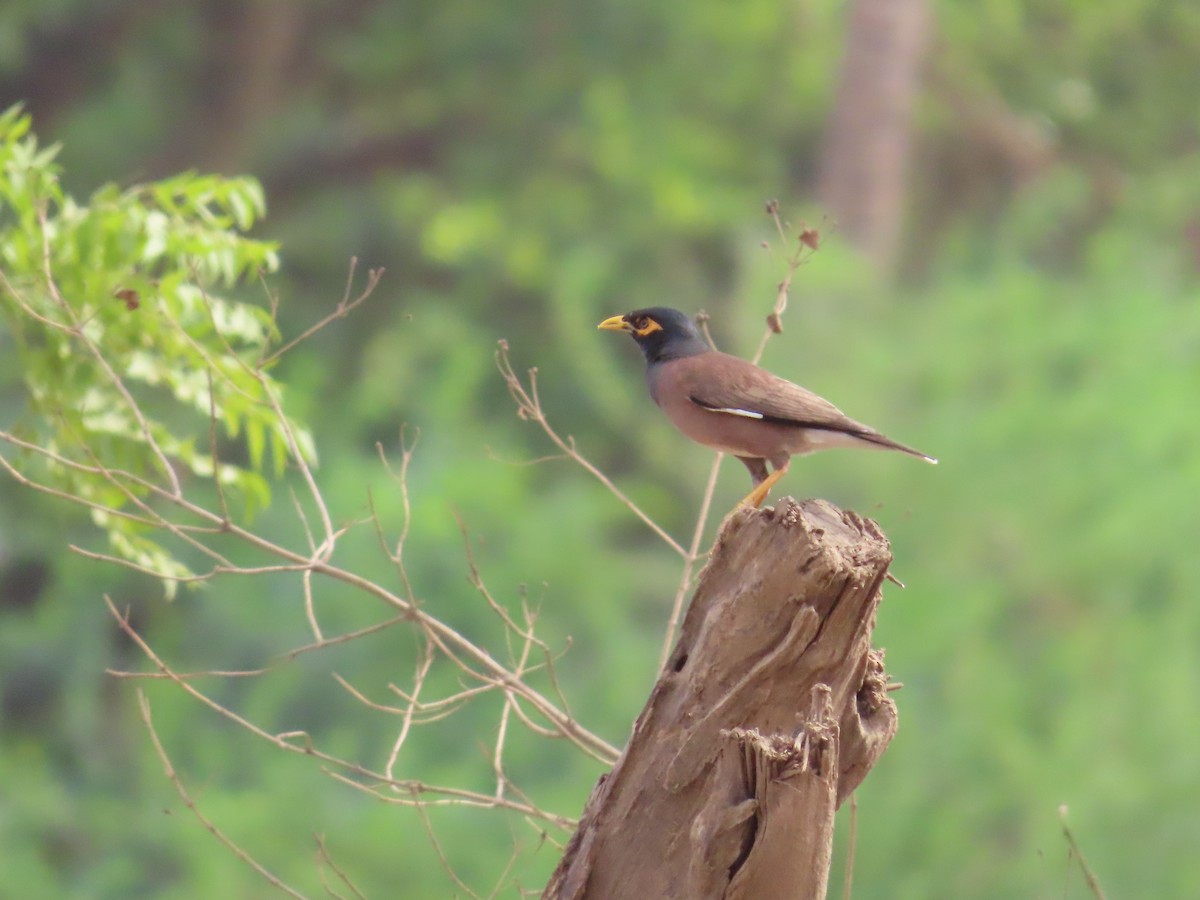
column 129, row 348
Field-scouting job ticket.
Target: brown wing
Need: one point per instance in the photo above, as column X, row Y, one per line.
column 730, row 384
column 725, row 383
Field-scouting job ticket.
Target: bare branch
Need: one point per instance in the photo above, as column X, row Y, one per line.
column 104, row 508
column 1089, row 876
column 413, row 794
column 344, row 638
column 158, row 502
column 212, row 446
column 406, row 454
column 848, row 880
column 211, row 673
column 345, row 306
column 807, row 242
column 689, row 563
column 169, row 770
column 437, row 848
column 424, row 664
column 529, row 407
column 477, row 582
column 449, row 795
column 310, row 611
column 324, row 857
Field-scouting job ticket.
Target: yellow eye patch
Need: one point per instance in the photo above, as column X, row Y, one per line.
column 643, row 325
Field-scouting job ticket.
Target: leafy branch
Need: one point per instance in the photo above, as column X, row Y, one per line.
column 138, row 376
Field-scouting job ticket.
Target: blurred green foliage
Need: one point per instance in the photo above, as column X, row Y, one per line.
column 523, row 172
column 109, row 299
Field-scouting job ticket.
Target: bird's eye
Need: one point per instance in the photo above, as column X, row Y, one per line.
column 640, row 323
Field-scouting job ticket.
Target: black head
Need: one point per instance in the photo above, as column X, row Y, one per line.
column 662, row 333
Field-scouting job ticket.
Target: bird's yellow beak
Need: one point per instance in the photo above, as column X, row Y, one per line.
column 616, row 323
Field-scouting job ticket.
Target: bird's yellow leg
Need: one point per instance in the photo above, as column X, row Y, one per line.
column 756, row 497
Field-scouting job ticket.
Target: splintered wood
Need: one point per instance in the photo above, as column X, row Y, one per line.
column 770, row 712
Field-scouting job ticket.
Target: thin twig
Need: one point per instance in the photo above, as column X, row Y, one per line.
column 344, row 308
column 476, row 581
column 283, row 423
column 437, row 848
column 1089, row 876
column 323, row 856
column 310, row 611
column 77, row 331
column 529, row 407
column 453, row 796
column 343, row 638
column 161, row 504
column 407, row 449
column 208, row 673
column 424, row 664
column 173, row 777
column 849, row 878
column 508, row 867
column 104, row 508
column 212, row 445
column 689, row 564
column 447, row 637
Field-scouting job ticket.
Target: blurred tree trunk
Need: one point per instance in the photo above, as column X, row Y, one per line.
column 770, row 712
column 249, row 72
column 67, row 54
column 864, row 163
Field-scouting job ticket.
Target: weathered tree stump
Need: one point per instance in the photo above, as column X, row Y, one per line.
column 770, row 712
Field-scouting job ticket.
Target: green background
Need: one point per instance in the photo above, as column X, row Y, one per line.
column 523, row 170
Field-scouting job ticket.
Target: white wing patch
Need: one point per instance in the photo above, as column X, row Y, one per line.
column 745, row 413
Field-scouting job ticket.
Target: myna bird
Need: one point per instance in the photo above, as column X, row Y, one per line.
column 734, row 406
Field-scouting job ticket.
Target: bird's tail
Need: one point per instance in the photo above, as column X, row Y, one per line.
column 874, row 437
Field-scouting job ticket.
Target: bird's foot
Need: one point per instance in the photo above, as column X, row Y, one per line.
column 755, row 498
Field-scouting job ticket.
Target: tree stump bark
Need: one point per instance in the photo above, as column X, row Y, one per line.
column 769, row 713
